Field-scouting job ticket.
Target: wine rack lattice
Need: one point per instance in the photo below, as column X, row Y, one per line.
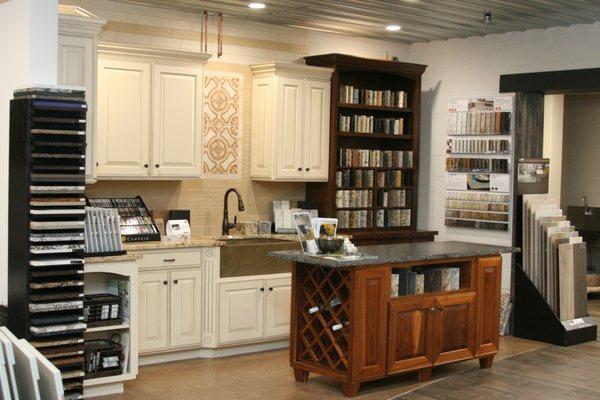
column 317, row 342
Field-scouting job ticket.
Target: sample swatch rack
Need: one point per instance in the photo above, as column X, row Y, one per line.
column 46, row 222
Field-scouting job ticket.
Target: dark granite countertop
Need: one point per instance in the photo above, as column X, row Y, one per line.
column 400, row 253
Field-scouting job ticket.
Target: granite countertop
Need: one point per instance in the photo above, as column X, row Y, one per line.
column 106, row 259
column 202, row 241
column 400, row 253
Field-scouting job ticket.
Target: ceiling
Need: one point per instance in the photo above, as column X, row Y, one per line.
column 421, row 20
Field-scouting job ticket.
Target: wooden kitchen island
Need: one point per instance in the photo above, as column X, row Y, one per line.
column 346, row 325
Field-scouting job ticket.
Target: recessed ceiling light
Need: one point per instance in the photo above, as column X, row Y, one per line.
column 393, row 28
column 257, row 6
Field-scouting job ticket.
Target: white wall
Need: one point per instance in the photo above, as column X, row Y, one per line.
column 323, row 43
column 29, row 32
column 554, row 105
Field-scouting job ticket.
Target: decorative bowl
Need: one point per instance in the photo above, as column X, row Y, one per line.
column 330, row 244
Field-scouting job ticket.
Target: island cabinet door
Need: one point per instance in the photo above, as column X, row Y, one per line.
column 489, row 276
column 369, row 322
column 410, row 335
column 454, row 327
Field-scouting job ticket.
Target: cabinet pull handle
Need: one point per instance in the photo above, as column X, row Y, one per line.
column 299, row 168
column 168, row 259
column 156, row 165
column 175, row 281
column 145, row 165
column 262, row 289
column 165, row 282
column 270, row 289
column 307, row 169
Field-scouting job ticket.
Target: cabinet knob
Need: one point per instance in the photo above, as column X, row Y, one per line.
column 156, row 165
column 262, row 289
column 432, row 309
column 165, row 282
column 175, row 281
column 270, row 289
column 307, row 169
column 299, row 168
column 97, row 164
column 145, row 165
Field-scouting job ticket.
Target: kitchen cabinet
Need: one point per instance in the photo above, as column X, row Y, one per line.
column 154, row 310
column 489, row 281
column 454, row 335
column 254, row 309
column 186, row 295
column 150, row 113
column 290, row 122
column 78, row 32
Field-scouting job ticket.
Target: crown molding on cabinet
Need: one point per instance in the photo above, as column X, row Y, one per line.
column 291, row 70
column 77, row 21
column 116, row 49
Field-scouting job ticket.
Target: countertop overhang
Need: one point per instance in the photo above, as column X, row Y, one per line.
column 400, row 253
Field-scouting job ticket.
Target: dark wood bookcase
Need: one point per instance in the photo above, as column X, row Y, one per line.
column 371, row 74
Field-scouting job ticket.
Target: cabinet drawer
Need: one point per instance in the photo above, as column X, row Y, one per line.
column 161, row 259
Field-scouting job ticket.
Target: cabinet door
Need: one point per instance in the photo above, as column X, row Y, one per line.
column 489, row 278
column 277, row 307
column 241, row 311
column 153, row 316
column 410, row 337
column 369, row 333
column 76, row 68
column 123, row 118
column 315, row 160
column 290, row 103
column 454, row 333
column 263, row 130
column 177, row 121
column 186, row 307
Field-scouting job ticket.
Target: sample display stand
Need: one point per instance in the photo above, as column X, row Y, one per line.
column 46, row 219
column 533, row 318
column 347, row 326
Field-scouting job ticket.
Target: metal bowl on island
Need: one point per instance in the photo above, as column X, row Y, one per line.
column 330, row 244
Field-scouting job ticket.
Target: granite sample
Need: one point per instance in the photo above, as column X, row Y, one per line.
column 57, row 132
column 56, row 237
column 57, row 201
column 433, row 280
column 39, row 344
column 395, row 283
column 264, row 227
column 420, row 284
column 250, row 228
column 400, row 253
column 55, row 262
column 53, row 285
column 54, row 329
column 66, row 295
column 450, row 279
column 56, row 248
column 109, row 259
column 56, row 306
column 54, row 92
column 56, row 225
column 56, row 189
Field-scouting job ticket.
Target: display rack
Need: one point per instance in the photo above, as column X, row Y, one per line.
column 46, row 217
column 478, row 162
column 375, row 111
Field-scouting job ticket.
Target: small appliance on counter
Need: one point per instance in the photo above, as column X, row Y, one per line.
column 136, row 224
column 178, row 225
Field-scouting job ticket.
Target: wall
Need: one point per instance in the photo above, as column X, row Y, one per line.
column 28, row 57
column 553, row 141
column 245, row 43
column 581, row 150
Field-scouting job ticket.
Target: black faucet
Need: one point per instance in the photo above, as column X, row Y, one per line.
column 226, row 226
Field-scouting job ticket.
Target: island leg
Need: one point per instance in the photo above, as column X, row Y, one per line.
column 350, row 389
column 300, row 375
column 424, row 374
column 486, row 362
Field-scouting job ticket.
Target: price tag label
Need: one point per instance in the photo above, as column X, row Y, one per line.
column 458, row 105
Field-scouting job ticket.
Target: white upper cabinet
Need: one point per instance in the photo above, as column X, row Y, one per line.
column 150, row 113
column 177, row 119
column 77, row 65
column 290, row 122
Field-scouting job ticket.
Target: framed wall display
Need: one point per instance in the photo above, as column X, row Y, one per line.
column 479, row 167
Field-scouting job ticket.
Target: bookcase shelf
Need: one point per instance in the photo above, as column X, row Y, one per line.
column 376, row 75
column 365, row 107
column 374, row 136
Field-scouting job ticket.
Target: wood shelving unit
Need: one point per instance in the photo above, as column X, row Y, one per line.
column 372, row 74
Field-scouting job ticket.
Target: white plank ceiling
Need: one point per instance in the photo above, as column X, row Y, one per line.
column 421, row 20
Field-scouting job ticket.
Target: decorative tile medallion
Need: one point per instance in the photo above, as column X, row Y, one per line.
column 222, row 139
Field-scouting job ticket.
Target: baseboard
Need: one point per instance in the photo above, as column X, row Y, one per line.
column 212, row 353
column 103, row 390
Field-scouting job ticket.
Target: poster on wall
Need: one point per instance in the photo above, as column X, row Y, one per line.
column 478, row 162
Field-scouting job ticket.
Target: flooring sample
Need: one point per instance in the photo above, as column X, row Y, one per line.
column 9, row 356
column 529, row 200
column 572, row 265
column 26, row 369
column 553, row 283
column 4, row 382
column 50, row 382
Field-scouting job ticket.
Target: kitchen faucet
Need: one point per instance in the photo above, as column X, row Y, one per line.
column 226, row 226
column 586, row 209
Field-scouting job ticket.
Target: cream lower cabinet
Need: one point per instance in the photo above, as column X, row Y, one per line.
column 170, row 309
column 290, row 122
column 255, row 309
column 149, row 113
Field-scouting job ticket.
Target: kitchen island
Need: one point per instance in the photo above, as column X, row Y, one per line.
column 347, row 324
